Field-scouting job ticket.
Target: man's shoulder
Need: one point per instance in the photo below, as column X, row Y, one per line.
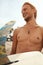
column 41, row 29
column 17, row 30
column 37, row 26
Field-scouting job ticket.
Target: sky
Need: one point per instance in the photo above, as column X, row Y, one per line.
column 11, row 10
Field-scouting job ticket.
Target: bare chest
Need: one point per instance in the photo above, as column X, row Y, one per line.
column 33, row 35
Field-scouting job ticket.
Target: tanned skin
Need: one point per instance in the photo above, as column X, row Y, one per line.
column 30, row 36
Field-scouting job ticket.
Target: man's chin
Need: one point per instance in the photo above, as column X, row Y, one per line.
column 26, row 19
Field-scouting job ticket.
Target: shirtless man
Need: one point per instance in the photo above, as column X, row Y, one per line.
column 30, row 36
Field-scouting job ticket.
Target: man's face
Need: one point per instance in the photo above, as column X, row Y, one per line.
column 27, row 11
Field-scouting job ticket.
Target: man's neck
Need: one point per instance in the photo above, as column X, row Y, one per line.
column 31, row 22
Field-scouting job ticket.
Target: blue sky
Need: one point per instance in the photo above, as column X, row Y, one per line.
column 11, row 10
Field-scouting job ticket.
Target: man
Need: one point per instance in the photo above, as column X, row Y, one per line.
column 29, row 37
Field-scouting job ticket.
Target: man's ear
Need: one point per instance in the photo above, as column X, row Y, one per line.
column 35, row 12
column 33, row 9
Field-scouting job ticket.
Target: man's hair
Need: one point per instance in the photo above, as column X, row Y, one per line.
column 35, row 13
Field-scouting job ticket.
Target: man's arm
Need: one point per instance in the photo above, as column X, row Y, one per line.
column 14, row 44
column 42, row 35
